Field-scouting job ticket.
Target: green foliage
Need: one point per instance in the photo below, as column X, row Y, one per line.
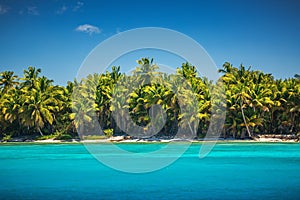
column 47, row 137
column 6, row 138
column 63, row 137
column 95, row 137
column 255, row 102
column 109, row 132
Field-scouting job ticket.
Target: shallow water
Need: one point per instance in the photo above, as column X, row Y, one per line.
column 230, row 171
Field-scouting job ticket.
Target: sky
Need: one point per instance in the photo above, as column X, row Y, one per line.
column 57, row 35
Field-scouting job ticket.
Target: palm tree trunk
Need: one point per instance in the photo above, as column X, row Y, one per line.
column 224, row 133
column 192, row 131
column 38, row 128
column 250, row 135
column 20, row 132
column 293, row 122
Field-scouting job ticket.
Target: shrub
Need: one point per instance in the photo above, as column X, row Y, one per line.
column 109, row 132
column 6, row 138
column 64, row 137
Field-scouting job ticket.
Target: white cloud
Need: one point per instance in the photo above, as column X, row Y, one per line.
column 3, row 9
column 78, row 6
column 87, row 28
column 61, row 10
column 32, row 10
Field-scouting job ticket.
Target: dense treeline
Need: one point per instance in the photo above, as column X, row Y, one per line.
column 255, row 102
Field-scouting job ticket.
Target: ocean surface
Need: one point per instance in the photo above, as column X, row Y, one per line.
column 230, row 171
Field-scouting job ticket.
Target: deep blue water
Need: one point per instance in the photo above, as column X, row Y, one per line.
column 230, row 171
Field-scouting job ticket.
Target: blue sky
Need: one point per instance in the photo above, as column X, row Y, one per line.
column 57, row 35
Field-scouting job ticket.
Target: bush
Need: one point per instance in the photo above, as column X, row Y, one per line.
column 94, row 137
column 64, row 137
column 109, row 132
column 47, row 137
column 6, row 138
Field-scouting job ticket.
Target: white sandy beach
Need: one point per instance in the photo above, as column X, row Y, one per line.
column 109, row 140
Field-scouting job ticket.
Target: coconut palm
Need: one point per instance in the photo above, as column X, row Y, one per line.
column 40, row 104
column 256, row 102
column 8, row 80
column 30, row 77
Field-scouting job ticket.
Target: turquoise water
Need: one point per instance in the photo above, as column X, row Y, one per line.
column 230, row 171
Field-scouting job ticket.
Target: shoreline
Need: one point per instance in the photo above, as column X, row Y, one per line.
column 150, row 141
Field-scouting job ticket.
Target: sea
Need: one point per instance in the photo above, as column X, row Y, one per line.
column 229, row 171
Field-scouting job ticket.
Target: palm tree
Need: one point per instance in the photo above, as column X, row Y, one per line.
column 238, row 85
column 256, row 102
column 30, row 77
column 40, row 104
column 10, row 106
column 8, row 80
column 84, row 103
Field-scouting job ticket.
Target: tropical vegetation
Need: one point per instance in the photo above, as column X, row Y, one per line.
column 255, row 103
